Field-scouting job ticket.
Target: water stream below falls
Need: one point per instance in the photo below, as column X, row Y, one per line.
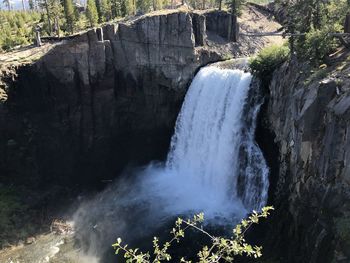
column 213, row 166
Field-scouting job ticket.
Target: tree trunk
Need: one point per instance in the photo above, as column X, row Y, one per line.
column 234, row 31
column 48, row 17
column 347, row 23
column 23, row 6
column 233, row 25
column 57, row 27
column 344, row 42
column 317, row 16
column 203, row 4
column 220, row 2
column 37, row 38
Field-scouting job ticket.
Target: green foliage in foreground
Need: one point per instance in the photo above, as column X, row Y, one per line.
column 268, row 60
column 221, row 249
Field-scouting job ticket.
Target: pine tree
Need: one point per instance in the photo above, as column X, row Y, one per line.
column 105, row 11
column 143, row 5
column 91, row 12
column 99, row 10
column 219, row 4
column 69, row 15
column 31, row 4
column 7, row 3
column 235, row 10
column 130, row 7
column 303, row 15
column 57, row 14
column 193, row 4
column 54, row 11
column 45, row 4
column 165, row 3
column 115, row 8
column 123, row 8
column 157, row 4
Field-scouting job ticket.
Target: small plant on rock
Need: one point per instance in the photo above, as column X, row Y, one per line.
column 268, row 60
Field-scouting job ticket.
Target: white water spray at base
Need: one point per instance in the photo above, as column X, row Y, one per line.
column 203, row 164
column 213, row 166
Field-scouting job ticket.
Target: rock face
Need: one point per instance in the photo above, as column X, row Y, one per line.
column 90, row 105
column 218, row 22
column 108, row 97
column 310, row 119
column 102, row 100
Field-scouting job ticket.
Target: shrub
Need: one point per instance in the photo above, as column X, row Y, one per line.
column 318, row 44
column 220, row 250
column 319, row 74
column 268, row 60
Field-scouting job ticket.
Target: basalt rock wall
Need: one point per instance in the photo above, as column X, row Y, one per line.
column 105, row 99
column 308, row 112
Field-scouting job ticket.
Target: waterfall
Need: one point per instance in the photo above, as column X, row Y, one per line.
column 213, row 145
column 213, row 166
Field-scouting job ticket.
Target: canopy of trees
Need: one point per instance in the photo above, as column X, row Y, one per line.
column 16, row 28
column 317, row 19
column 61, row 17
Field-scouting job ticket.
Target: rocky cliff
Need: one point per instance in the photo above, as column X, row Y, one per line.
column 76, row 113
column 109, row 96
column 308, row 111
column 94, row 103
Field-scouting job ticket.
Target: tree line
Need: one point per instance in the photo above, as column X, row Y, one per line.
column 65, row 17
column 317, row 20
column 16, row 28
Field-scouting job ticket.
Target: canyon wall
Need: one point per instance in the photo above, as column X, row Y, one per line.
column 93, row 104
column 309, row 114
column 109, row 97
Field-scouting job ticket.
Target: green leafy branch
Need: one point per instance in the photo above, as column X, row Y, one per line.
column 221, row 249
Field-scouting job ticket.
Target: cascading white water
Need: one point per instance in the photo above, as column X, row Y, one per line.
column 208, row 138
column 213, row 166
column 253, row 178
